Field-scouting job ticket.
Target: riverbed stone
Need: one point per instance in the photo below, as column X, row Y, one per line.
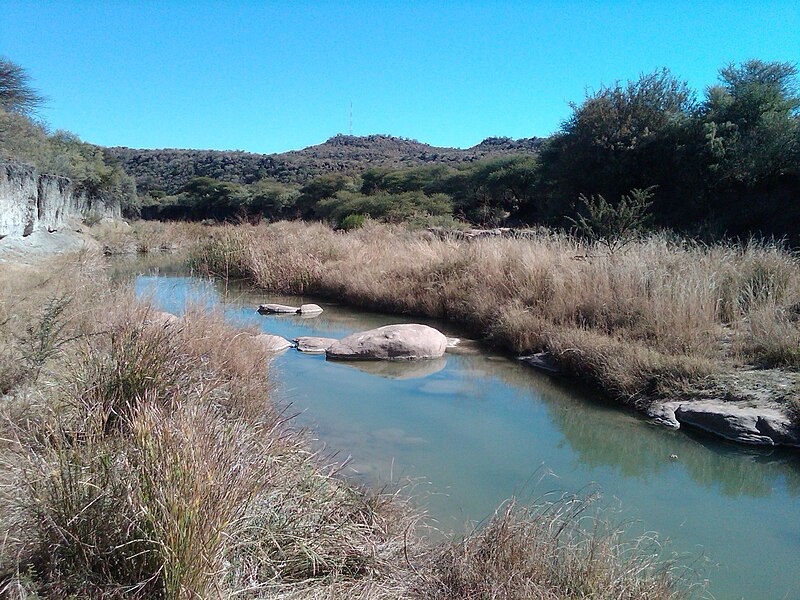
column 391, row 342
column 159, row 318
column 744, row 424
column 314, row 345
column 272, row 343
column 273, row 309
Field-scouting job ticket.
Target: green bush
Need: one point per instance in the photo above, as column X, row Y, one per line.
column 352, row 222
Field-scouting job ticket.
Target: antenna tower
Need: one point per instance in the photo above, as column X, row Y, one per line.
column 351, row 117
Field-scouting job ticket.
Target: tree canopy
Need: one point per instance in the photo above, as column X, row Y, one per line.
column 17, row 95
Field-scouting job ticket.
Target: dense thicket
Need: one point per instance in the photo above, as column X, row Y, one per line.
column 728, row 164
column 487, row 192
column 60, row 153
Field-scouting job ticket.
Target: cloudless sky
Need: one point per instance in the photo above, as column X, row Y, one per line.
column 275, row 76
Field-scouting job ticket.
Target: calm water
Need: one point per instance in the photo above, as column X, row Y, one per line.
column 474, row 429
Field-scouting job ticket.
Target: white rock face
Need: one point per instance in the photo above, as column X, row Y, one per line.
column 32, row 202
column 314, row 345
column 309, row 309
column 272, row 343
column 392, row 342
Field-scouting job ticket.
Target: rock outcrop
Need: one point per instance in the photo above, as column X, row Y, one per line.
column 391, row 342
column 739, row 422
column 30, row 201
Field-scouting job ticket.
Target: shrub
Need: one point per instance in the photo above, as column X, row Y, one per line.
column 353, row 221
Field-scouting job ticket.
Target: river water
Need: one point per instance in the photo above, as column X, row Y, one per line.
column 476, row 428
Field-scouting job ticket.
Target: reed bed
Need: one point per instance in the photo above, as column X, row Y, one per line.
column 652, row 321
column 144, row 458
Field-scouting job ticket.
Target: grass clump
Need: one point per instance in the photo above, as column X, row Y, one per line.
column 550, row 551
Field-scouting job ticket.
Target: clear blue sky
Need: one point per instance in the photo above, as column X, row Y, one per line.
column 275, row 76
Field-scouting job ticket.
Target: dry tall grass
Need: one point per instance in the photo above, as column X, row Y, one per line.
column 640, row 324
column 142, row 458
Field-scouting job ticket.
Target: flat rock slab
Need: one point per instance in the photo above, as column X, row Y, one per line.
column 391, row 342
column 314, row 345
column 748, row 425
column 758, row 425
column 277, row 309
column 272, row 343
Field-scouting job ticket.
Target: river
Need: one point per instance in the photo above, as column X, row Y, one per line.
column 475, row 428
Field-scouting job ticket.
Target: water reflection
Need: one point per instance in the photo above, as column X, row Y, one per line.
column 398, row 369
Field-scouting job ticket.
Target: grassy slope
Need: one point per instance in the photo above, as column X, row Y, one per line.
column 140, row 458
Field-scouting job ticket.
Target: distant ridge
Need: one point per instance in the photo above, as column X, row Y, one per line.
column 169, row 169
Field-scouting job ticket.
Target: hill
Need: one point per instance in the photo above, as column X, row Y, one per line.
column 170, row 169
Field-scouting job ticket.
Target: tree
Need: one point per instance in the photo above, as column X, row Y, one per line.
column 207, row 198
column 622, row 137
column 16, row 93
column 751, row 126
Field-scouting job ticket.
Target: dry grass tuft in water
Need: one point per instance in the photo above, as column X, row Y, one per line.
column 552, row 551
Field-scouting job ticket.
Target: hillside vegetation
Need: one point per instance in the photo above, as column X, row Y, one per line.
column 168, row 170
column 726, row 165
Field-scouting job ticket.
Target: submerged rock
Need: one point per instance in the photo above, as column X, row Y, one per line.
column 543, row 361
column 314, row 345
column 272, row 343
column 391, row 342
column 277, row 309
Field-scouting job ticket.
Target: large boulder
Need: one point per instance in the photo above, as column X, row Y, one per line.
column 314, row 345
column 391, row 342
